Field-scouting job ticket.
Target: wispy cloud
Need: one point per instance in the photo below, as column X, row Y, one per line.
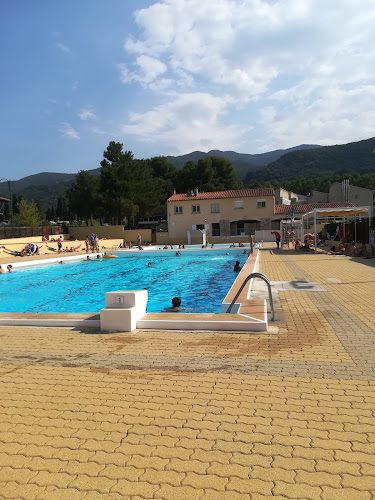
column 68, row 131
column 63, row 47
column 86, row 114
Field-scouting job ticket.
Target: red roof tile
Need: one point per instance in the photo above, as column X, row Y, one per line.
column 307, row 207
column 214, row 195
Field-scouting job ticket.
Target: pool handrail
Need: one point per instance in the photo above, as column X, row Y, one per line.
column 254, row 275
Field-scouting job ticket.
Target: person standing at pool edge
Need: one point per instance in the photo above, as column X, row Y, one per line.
column 139, row 241
column 251, row 241
column 277, row 236
column 92, row 241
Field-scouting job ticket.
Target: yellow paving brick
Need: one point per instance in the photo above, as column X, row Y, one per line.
column 313, row 453
column 318, row 478
column 366, row 470
column 210, row 424
column 14, row 461
column 233, row 446
column 100, row 484
column 162, row 476
column 168, row 492
column 134, row 449
column 133, row 488
column 363, row 483
column 57, row 479
column 164, row 452
column 200, row 481
column 97, row 445
column 344, row 494
column 46, row 464
column 187, row 466
column 192, row 444
column 355, row 457
column 147, row 462
column 61, row 494
column 294, row 464
column 272, row 450
column 364, row 448
column 19, row 475
column 159, row 440
column 11, row 489
column 291, row 440
column 211, row 456
column 68, row 454
column 250, row 459
column 88, row 468
column 129, row 473
column 250, row 486
column 223, row 495
column 272, row 474
column 229, row 470
column 306, row 492
column 253, row 437
column 339, row 467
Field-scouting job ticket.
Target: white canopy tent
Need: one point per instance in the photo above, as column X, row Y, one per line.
column 343, row 214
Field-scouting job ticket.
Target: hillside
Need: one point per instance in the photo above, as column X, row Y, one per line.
column 242, row 162
column 355, row 157
column 284, row 165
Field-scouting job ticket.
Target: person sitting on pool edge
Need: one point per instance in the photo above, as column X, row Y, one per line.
column 237, row 266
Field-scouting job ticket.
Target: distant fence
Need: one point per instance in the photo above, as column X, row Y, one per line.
column 8, row 232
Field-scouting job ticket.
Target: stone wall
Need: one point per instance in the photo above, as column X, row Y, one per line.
column 111, row 232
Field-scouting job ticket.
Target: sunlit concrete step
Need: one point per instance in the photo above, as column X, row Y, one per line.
column 82, row 320
column 254, row 320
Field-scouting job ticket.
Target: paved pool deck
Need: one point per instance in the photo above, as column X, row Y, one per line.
column 193, row 415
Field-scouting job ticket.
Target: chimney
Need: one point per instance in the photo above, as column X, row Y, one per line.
column 196, row 192
column 173, row 191
column 189, row 192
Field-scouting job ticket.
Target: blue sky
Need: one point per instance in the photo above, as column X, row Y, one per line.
column 174, row 76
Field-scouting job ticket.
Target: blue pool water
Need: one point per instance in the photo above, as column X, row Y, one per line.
column 201, row 278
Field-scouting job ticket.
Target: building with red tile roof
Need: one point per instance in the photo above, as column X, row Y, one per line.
column 228, row 216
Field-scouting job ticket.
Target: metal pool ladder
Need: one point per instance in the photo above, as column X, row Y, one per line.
column 254, row 275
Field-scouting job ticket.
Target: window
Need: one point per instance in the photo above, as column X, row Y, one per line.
column 261, row 203
column 177, row 210
column 238, row 204
column 215, row 208
column 215, row 229
column 200, row 226
column 196, row 209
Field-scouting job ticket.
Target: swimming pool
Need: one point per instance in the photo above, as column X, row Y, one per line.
column 201, row 278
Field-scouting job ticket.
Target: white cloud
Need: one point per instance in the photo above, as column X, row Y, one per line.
column 86, row 114
column 188, row 121
column 303, row 69
column 63, row 47
column 147, row 70
column 68, row 131
column 335, row 116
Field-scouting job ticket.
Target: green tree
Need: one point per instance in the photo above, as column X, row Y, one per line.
column 29, row 214
column 211, row 173
column 129, row 187
column 83, row 196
